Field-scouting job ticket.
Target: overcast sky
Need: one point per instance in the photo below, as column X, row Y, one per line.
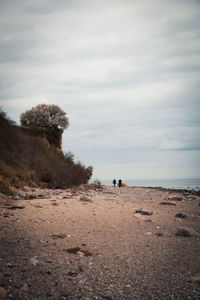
column 126, row 72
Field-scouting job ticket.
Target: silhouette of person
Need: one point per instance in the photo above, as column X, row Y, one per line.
column 120, row 183
column 114, row 182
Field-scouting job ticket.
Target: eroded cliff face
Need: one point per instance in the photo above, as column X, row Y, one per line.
column 34, row 157
column 53, row 136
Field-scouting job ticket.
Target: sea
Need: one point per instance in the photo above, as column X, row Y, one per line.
column 184, row 183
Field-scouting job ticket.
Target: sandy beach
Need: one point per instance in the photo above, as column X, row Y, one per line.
column 100, row 243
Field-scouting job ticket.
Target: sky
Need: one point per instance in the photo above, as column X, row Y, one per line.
column 126, row 72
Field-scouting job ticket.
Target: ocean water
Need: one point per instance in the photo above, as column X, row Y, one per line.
column 186, row 183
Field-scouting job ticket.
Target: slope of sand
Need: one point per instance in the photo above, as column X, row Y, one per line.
column 56, row 245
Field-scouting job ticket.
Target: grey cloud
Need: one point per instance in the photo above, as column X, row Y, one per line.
column 126, row 72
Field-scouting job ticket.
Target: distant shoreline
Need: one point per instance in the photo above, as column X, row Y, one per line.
column 191, row 191
column 188, row 184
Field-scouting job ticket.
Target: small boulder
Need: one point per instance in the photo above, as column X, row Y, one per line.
column 186, row 232
column 144, row 212
column 86, row 199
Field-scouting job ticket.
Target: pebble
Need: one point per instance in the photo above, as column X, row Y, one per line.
column 167, row 203
column 16, row 207
column 159, row 234
column 38, row 206
column 86, row 199
column 144, row 212
column 3, row 293
column 34, row 261
column 181, row 215
column 196, row 279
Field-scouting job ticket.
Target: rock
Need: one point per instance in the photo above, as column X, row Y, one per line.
column 11, row 266
column 86, row 199
column 72, row 274
column 6, row 215
column 17, row 193
column 79, row 251
column 38, row 206
column 55, row 204
column 144, row 212
column 58, row 236
column 167, row 203
column 25, row 287
column 34, row 261
column 148, row 220
column 149, row 233
column 186, row 232
column 159, row 234
column 13, row 207
column 175, row 198
column 40, row 196
column 3, row 293
column 181, row 215
column 196, row 279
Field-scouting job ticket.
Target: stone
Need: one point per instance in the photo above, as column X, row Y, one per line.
column 58, row 236
column 79, row 251
column 13, row 207
column 181, row 215
column 144, row 212
column 86, row 199
column 17, row 193
column 186, row 232
column 40, row 196
column 25, row 287
column 34, row 261
column 55, row 204
column 159, row 234
column 167, row 203
column 3, row 293
column 38, row 206
column 196, row 279
column 175, row 198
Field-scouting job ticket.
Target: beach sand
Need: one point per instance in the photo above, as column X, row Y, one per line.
column 89, row 243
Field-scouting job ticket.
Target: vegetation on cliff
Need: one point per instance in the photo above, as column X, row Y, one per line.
column 27, row 157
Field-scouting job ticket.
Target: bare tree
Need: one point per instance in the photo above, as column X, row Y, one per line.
column 45, row 116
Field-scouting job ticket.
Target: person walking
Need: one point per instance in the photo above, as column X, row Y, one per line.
column 114, row 182
column 119, row 183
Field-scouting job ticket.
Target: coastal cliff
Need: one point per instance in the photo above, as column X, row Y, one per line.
column 34, row 157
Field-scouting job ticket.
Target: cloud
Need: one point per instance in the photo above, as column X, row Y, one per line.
column 126, row 72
